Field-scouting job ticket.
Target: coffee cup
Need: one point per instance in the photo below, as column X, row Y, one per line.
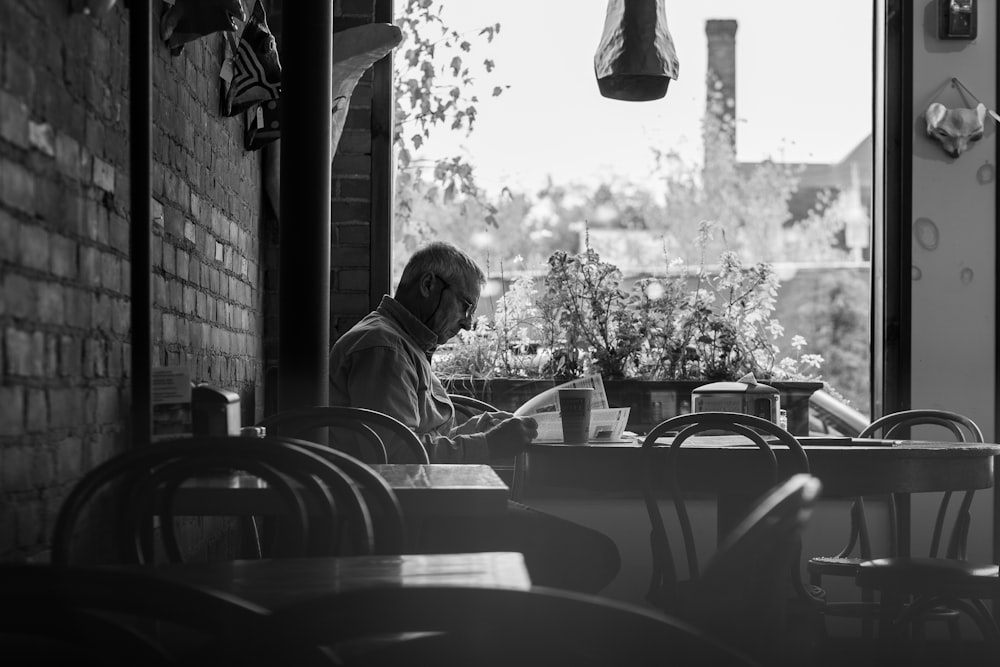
column 574, row 412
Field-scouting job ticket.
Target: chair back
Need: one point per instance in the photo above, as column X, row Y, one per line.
column 322, row 510
column 51, row 614
column 772, row 565
column 494, row 627
column 389, row 522
column 749, row 609
column 467, row 407
column 371, row 426
column 958, row 429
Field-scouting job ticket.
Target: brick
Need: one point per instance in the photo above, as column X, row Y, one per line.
column 89, row 265
column 16, row 472
column 355, row 188
column 51, row 303
column 111, row 274
column 101, row 306
column 78, row 312
column 69, row 459
column 70, row 356
column 17, row 186
column 42, row 138
column 169, row 261
column 19, row 296
column 14, row 117
column 182, row 259
column 94, row 361
column 25, row 353
column 62, row 256
column 119, row 233
column 121, row 318
column 190, row 232
column 11, row 410
column 51, row 362
column 355, row 141
column 34, row 247
column 353, row 234
column 67, row 155
column 350, row 212
column 10, row 231
column 103, row 175
column 175, row 295
column 156, row 212
column 108, row 405
column 174, row 222
column 18, row 74
column 351, row 164
column 126, row 277
column 36, row 416
column 169, row 324
column 353, row 280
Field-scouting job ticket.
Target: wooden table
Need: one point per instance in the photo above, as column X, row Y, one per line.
column 273, row 583
column 435, row 490
column 849, row 468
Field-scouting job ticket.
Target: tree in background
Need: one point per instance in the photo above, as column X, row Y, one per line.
column 434, row 72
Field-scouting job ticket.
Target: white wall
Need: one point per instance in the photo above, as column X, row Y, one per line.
column 954, row 281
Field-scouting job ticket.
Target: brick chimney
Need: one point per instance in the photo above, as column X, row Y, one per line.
column 720, row 78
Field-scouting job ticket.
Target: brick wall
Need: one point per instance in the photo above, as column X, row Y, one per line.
column 64, row 233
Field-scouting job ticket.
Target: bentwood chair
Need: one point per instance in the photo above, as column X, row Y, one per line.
column 370, row 426
column 743, row 594
column 939, row 586
column 323, row 510
column 389, row 522
column 489, row 627
column 62, row 615
column 467, row 407
column 858, row 549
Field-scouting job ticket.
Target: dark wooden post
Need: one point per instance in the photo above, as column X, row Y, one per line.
column 304, row 256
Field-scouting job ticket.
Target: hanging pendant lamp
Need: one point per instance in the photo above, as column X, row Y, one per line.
column 636, row 58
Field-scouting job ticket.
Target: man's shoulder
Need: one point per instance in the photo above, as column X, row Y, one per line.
column 374, row 330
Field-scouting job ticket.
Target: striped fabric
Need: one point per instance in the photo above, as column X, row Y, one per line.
column 256, row 70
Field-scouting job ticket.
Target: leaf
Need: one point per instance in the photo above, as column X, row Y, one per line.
column 497, row 90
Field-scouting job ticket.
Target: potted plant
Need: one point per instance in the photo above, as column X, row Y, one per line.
column 652, row 341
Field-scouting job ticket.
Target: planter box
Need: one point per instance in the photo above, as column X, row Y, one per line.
column 651, row 401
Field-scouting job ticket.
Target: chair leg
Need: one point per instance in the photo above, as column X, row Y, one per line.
column 867, row 618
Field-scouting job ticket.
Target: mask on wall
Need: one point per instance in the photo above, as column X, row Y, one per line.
column 956, row 128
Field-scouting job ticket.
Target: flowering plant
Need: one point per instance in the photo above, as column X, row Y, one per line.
column 703, row 324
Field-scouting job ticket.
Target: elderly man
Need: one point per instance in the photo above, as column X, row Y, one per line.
column 384, row 363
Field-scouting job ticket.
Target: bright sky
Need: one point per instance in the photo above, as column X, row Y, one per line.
column 803, row 88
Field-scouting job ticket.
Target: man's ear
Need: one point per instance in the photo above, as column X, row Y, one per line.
column 426, row 283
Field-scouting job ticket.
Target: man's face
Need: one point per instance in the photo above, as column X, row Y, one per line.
column 457, row 300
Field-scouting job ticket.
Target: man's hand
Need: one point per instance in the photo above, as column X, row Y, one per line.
column 511, row 436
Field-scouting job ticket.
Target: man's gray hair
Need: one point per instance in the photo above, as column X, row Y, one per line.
column 442, row 259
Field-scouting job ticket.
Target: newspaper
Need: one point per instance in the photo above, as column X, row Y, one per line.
column 606, row 423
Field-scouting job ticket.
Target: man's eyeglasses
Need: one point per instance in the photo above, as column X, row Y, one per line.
column 468, row 305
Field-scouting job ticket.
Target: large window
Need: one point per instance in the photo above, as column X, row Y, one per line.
column 761, row 148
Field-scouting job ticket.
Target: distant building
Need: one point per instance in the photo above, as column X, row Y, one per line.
column 853, row 174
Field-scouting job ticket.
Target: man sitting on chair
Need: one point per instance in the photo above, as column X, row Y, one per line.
column 384, row 363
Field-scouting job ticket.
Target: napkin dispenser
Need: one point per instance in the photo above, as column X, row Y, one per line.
column 746, row 396
column 214, row 411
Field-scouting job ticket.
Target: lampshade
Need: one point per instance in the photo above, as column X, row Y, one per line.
column 636, row 58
